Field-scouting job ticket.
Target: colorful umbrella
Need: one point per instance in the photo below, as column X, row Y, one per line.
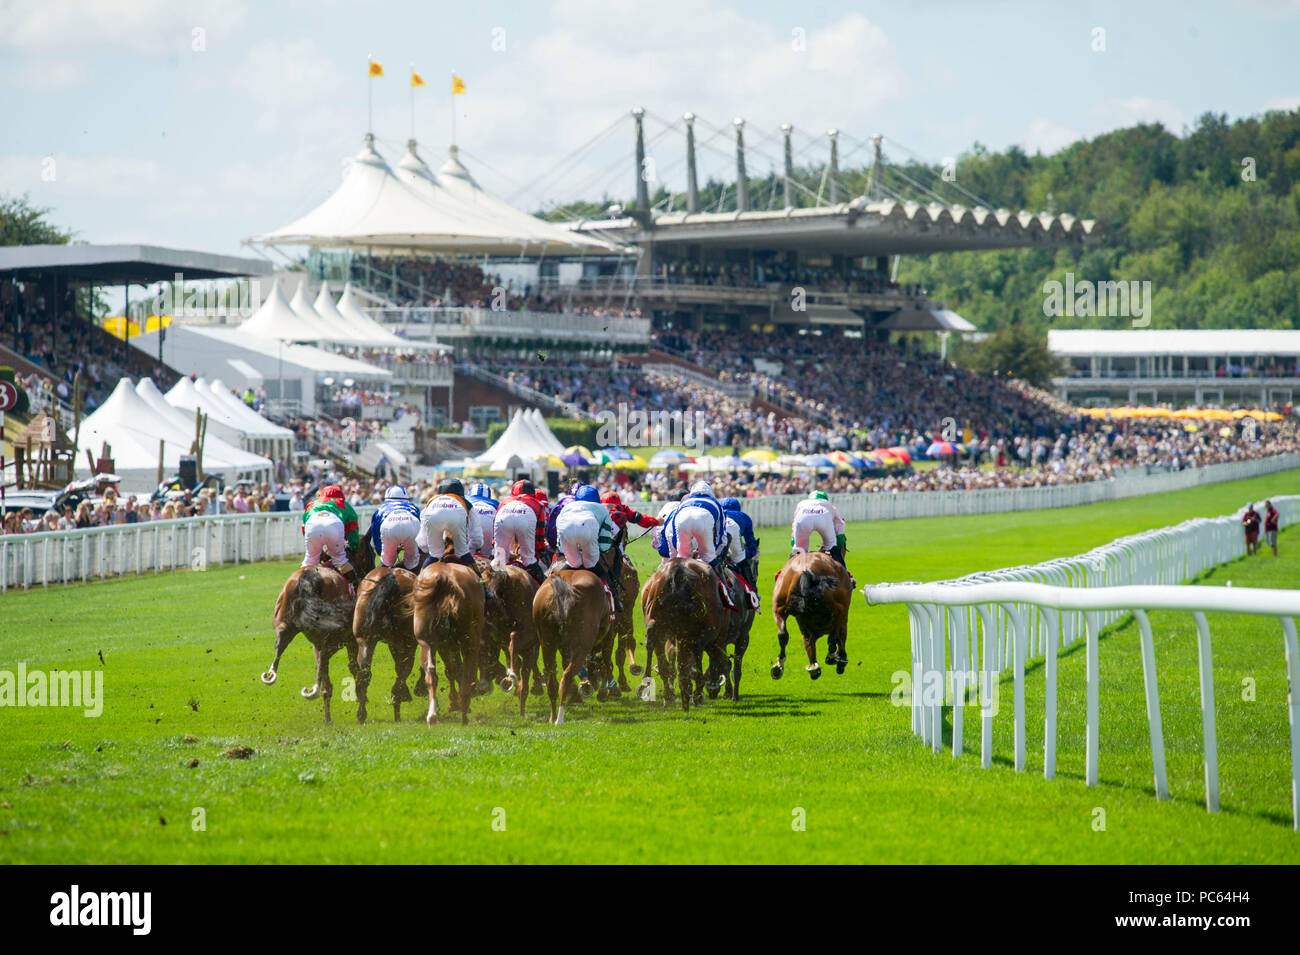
column 612, row 455
column 901, row 453
column 941, row 448
column 575, row 460
column 668, row 457
column 582, row 451
column 759, row 456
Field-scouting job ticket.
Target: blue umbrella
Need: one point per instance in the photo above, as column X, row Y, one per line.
column 668, row 457
column 575, row 460
column 818, row 461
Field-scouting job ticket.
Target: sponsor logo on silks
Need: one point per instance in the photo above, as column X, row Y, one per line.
column 84, row 688
column 134, row 909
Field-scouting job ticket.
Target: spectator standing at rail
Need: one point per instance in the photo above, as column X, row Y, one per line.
column 1270, row 525
column 1250, row 523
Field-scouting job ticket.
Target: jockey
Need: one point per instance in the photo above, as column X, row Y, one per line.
column 585, row 532
column 817, row 513
column 553, row 515
column 623, row 516
column 745, row 526
column 330, row 525
column 516, row 525
column 396, row 524
column 448, row 513
column 698, row 526
column 659, row 539
column 542, row 545
column 484, row 507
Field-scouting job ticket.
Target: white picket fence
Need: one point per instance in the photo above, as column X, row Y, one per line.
column 38, row 560
column 967, row 632
column 32, row 560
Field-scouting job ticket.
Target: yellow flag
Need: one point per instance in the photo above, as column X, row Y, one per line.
column 457, row 85
column 376, row 69
column 416, row 79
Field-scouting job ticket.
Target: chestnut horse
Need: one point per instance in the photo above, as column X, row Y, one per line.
column 384, row 612
column 316, row 602
column 684, row 617
column 571, row 614
column 815, row 590
column 448, row 611
column 624, row 626
column 508, row 626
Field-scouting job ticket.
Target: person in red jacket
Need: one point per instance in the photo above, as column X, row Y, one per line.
column 1250, row 523
column 621, row 514
column 521, row 525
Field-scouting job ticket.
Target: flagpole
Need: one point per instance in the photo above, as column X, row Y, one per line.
column 453, row 107
column 370, row 98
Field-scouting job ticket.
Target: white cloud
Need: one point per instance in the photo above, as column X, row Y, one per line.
column 52, row 76
column 143, row 26
column 1047, row 137
column 557, row 89
column 1283, row 103
column 1120, row 113
column 291, row 82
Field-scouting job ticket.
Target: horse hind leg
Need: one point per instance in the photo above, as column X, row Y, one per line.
column 810, row 647
column 284, row 634
column 782, row 638
column 403, row 653
column 429, row 664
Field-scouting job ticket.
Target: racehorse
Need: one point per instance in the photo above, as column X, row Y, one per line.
column 316, row 602
column 384, row 612
column 448, row 612
column 508, row 626
column 571, row 614
column 816, row 590
column 624, row 628
column 683, row 619
column 738, row 626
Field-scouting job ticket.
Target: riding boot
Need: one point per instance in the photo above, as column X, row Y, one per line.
column 720, row 569
column 535, row 571
column 838, row 555
column 601, row 571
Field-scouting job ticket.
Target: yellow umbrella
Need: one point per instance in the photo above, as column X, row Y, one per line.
column 634, row 463
column 759, row 456
column 579, row 449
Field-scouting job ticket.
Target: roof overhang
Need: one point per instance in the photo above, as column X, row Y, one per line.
column 123, row 264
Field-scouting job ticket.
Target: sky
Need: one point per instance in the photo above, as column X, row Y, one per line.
column 199, row 123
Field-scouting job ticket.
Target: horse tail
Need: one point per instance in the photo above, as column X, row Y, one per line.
column 447, row 549
column 386, row 602
column 808, row 591
column 562, row 597
column 680, row 593
column 312, row 609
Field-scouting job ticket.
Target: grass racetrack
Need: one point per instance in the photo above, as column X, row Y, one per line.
column 626, row 781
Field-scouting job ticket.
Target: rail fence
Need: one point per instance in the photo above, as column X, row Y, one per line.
column 966, row 633
column 31, row 560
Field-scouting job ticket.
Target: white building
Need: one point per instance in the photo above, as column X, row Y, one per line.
column 1254, row 367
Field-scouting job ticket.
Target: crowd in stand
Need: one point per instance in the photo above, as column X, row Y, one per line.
column 761, row 274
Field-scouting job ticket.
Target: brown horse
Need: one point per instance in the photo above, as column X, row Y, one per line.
column 508, row 627
column 384, row 612
column 624, row 626
column 684, row 618
column 737, row 634
column 316, row 602
column 571, row 614
column 815, row 590
column 448, row 612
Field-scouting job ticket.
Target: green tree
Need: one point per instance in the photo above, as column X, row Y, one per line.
column 21, row 223
column 1016, row 351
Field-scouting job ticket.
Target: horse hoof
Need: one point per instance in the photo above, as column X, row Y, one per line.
column 778, row 671
column 636, row 669
column 814, row 671
column 585, row 689
column 310, row 692
column 839, row 667
column 269, row 677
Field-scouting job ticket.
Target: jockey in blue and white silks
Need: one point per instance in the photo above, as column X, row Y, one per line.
column 748, row 563
column 483, row 510
column 395, row 526
column 698, row 527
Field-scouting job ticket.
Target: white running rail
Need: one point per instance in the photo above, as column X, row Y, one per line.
column 999, row 619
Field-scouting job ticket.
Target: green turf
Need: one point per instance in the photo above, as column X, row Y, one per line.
column 627, row 781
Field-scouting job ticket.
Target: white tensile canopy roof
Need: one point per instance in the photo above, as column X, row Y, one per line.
column 133, row 426
column 328, row 331
column 365, row 327
column 190, row 396
column 542, row 432
column 277, row 319
column 520, row 440
column 415, row 210
column 254, row 425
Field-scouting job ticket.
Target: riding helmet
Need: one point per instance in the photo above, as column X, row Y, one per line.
column 332, row 492
column 522, row 488
column 819, row 496
column 481, row 491
column 702, row 489
column 588, row 493
column 396, row 493
column 730, row 504
column 452, row 486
